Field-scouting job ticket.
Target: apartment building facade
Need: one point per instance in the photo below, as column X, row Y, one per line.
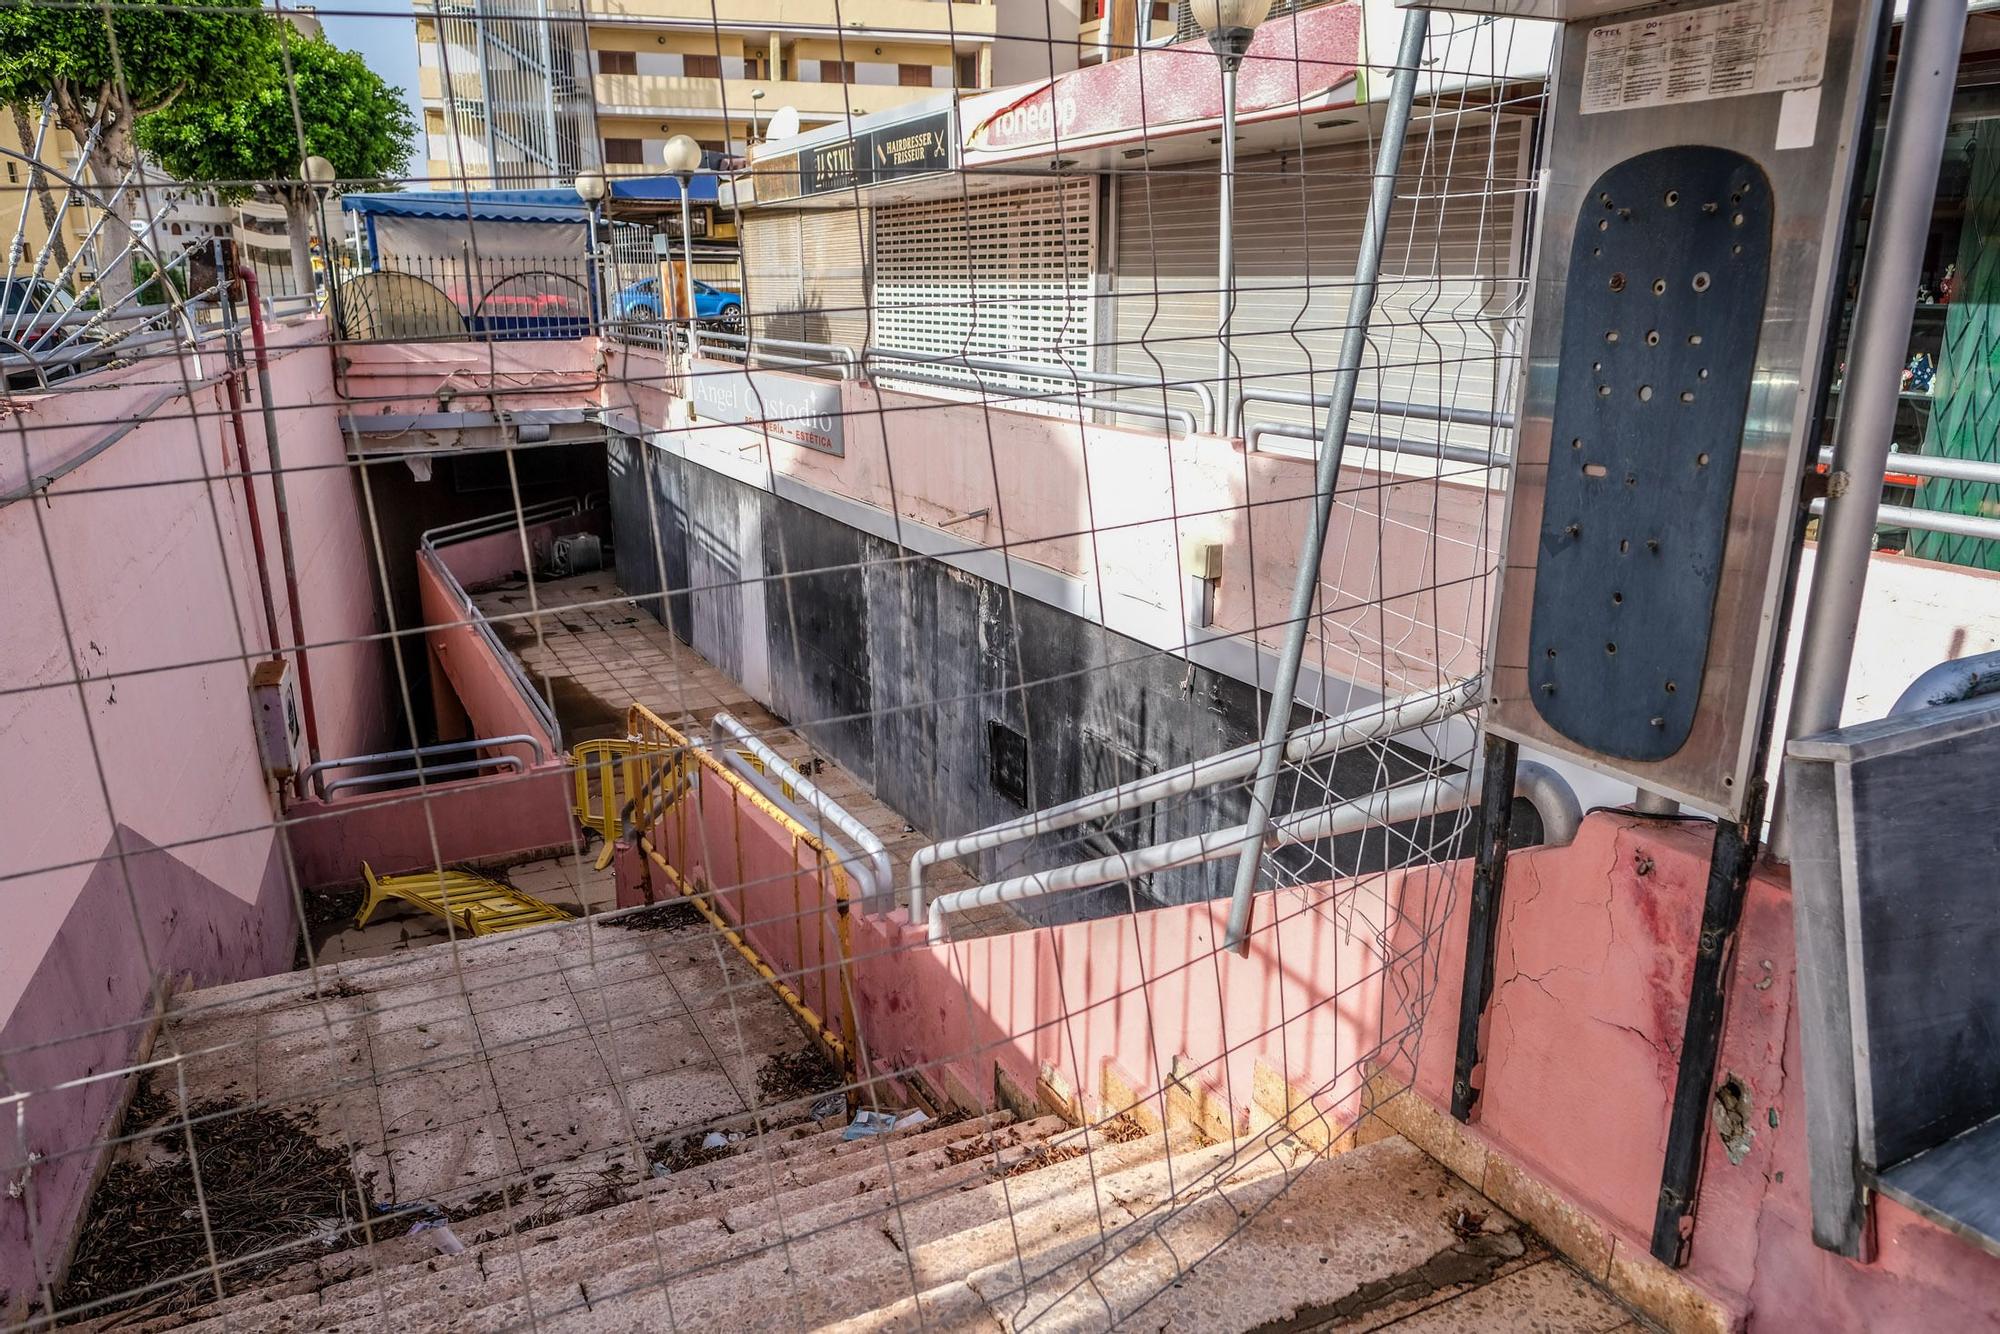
column 528, row 92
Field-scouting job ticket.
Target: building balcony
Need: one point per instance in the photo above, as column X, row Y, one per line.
column 904, row 18
column 659, row 97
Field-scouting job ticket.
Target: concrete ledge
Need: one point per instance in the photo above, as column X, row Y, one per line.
column 1625, row 1267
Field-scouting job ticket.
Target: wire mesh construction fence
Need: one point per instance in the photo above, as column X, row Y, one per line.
column 798, row 762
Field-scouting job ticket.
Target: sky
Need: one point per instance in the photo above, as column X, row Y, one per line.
column 388, row 42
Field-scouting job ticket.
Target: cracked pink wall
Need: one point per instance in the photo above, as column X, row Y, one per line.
column 1581, row 1045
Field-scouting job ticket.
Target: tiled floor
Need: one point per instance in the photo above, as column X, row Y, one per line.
column 598, row 652
column 528, row 1061
column 571, row 883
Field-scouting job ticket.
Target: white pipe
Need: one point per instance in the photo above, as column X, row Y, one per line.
column 825, row 807
column 1307, row 743
column 863, row 873
column 1388, row 806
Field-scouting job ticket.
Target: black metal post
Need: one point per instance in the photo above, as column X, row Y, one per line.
column 1482, row 927
column 1701, row 1037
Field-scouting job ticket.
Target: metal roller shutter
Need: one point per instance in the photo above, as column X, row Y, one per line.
column 1442, row 326
column 774, row 286
column 832, row 251
column 1004, row 275
column 806, row 275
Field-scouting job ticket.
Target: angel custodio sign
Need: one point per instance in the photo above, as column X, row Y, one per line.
column 797, row 411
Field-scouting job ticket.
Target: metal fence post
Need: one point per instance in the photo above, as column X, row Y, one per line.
column 1346, row 376
column 1926, row 71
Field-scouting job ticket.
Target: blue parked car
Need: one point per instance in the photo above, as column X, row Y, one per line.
column 642, row 301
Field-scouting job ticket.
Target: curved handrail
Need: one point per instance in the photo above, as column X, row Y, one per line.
column 1951, row 682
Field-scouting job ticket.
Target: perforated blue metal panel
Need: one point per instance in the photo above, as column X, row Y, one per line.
column 1667, row 278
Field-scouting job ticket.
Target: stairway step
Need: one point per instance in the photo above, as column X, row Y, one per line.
column 1378, row 1215
column 671, row 1218
column 836, row 1261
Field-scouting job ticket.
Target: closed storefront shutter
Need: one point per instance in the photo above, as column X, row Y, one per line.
column 833, row 246
column 774, row 294
column 807, row 275
column 1451, row 290
column 1003, row 275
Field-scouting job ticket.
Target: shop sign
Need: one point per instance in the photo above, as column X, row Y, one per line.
column 791, row 408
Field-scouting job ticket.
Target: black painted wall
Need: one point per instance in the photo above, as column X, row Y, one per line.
column 913, row 674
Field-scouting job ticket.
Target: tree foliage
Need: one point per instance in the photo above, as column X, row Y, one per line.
column 129, row 58
column 344, row 110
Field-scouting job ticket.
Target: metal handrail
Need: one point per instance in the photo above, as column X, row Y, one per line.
column 1386, row 806
column 1115, row 379
column 1430, row 449
column 1378, row 407
column 839, row 352
column 544, row 713
column 1934, row 465
column 773, row 791
column 1931, row 521
column 877, row 875
column 1372, row 723
column 1554, row 800
column 1175, row 416
column 485, row 525
column 315, row 774
column 1951, row 682
column 429, row 771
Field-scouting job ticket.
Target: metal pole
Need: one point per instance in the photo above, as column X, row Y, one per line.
column 1346, row 375
column 1926, row 71
column 687, row 268
column 1225, row 246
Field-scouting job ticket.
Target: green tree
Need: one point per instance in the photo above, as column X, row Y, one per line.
column 312, row 98
column 104, row 68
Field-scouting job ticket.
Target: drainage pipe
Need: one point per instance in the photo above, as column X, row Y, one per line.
column 1307, row 743
column 828, row 810
column 249, row 277
column 233, row 365
column 1326, row 471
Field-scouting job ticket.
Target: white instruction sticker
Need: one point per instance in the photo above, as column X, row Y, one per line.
column 1733, row 50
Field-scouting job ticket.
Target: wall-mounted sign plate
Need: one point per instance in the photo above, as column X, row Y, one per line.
column 1688, row 268
column 1667, row 275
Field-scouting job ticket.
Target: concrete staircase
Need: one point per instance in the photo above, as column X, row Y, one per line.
column 970, row 1224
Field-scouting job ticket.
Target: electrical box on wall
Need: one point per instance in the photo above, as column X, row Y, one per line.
column 280, row 734
column 1686, row 277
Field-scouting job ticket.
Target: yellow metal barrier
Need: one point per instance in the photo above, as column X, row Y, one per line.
column 668, row 768
column 474, row 904
column 597, row 766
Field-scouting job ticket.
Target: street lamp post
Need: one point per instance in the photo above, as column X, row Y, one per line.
column 591, row 189
column 1230, row 24
column 756, row 96
column 682, row 158
column 319, row 176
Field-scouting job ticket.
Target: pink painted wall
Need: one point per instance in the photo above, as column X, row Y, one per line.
column 485, row 689
column 136, row 825
column 1114, row 506
column 384, row 378
column 449, row 821
column 1581, row 1042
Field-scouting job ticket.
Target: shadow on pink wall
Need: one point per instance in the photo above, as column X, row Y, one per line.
column 1580, row 1047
